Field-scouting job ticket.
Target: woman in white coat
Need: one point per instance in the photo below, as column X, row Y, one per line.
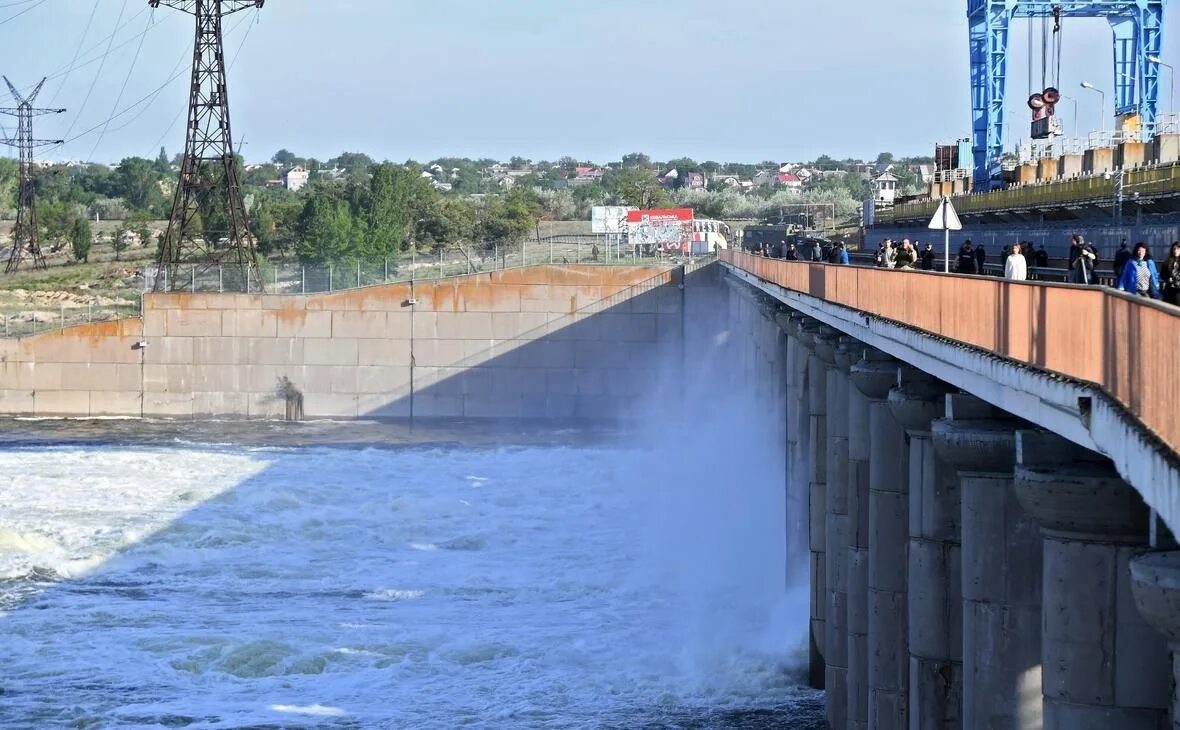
column 1015, row 266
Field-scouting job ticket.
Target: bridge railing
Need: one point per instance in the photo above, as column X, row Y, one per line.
column 1123, row 344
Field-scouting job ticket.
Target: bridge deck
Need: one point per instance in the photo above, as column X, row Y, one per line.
column 1127, row 346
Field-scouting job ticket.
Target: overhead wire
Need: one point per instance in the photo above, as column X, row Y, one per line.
column 146, row 101
column 97, row 73
column 17, row 15
column 123, row 90
column 77, row 51
column 232, row 62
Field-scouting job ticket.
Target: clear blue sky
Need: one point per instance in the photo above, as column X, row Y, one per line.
column 737, row 80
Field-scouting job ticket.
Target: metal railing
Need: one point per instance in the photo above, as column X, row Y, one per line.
column 286, row 278
column 1124, row 344
column 26, row 320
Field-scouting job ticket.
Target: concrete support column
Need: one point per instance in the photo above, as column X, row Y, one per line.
column 857, row 563
column 1102, row 665
column 796, row 425
column 817, row 431
column 827, row 347
column 888, row 539
column 1001, row 569
column 934, row 606
column 1155, row 583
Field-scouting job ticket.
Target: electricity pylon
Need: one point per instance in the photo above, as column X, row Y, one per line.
column 208, row 224
column 24, row 236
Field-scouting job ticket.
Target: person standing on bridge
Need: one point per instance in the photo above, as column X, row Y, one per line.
column 1042, row 257
column 980, row 259
column 1120, row 259
column 840, row 254
column 817, row 251
column 792, row 254
column 1140, row 275
column 1015, row 267
column 1170, row 272
column 906, row 255
column 1082, row 260
column 927, row 258
column 966, row 259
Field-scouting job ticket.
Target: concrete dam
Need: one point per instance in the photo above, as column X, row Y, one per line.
column 981, row 476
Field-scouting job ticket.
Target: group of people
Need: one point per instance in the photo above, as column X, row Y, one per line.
column 1136, row 273
column 904, row 255
column 816, row 250
column 1134, row 268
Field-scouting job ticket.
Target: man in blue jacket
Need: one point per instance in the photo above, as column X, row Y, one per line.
column 1139, row 274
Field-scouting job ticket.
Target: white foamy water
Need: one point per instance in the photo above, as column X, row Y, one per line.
column 529, row 586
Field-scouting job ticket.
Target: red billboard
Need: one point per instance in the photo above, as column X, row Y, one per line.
column 667, row 230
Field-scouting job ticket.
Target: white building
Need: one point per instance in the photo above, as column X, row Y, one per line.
column 296, row 178
column 885, row 189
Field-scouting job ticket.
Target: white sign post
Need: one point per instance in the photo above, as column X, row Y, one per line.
column 946, row 219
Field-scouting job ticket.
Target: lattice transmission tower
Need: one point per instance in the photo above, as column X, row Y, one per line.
column 24, row 236
column 208, row 224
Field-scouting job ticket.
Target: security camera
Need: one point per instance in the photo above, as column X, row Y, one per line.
column 141, row 345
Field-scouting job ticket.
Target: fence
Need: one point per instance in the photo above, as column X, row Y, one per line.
column 27, row 320
column 24, row 319
column 297, row 278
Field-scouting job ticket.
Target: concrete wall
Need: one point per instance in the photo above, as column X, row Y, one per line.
column 548, row 341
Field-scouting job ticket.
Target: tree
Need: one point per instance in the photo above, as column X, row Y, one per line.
column 397, row 195
column 639, row 189
column 285, row 158
column 119, row 241
column 637, row 159
column 163, row 166
column 326, row 229
column 885, row 158
column 509, row 218
column 80, row 238
column 137, row 182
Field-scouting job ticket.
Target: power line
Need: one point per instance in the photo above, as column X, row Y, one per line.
column 78, row 50
column 14, row 17
column 97, row 73
column 123, row 90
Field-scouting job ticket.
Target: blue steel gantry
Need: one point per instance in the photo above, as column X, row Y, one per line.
column 1138, row 34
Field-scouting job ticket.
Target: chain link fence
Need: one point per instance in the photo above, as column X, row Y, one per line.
column 51, row 310
column 280, row 277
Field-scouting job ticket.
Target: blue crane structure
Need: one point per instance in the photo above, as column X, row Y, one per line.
column 1138, row 34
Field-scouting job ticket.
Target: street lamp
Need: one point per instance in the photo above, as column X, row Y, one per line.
column 1074, row 128
column 1102, row 104
column 1172, row 70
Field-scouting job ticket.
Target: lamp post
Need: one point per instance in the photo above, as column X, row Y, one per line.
column 1102, row 104
column 1074, row 128
column 1172, row 71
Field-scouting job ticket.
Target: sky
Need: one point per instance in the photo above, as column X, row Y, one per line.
column 741, row 80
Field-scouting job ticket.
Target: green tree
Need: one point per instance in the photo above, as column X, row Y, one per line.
column 640, row 189
column 397, row 198
column 137, row 181
column 119, row 240
column 326, row 232
column 285, row 158
column 637, row 159
column 163, row 165
column 81, row 237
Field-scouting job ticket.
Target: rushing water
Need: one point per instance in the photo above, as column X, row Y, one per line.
column 458, row 578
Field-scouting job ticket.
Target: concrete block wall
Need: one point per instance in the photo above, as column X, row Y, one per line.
column 548, row 341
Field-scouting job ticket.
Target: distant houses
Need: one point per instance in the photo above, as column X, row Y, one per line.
column 296, row 178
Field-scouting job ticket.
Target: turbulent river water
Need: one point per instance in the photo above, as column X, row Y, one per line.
column 367, row 576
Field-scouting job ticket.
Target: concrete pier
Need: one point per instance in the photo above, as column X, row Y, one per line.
column 857, row 562
column 1001, row 569
column 1155, row 583
column 828, row 348
column 1103, row 666
column 888, row 667
column 935, row 603
column 817, row 430
column 798, row 554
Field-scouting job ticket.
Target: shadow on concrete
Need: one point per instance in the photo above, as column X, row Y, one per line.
column 600, row 363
